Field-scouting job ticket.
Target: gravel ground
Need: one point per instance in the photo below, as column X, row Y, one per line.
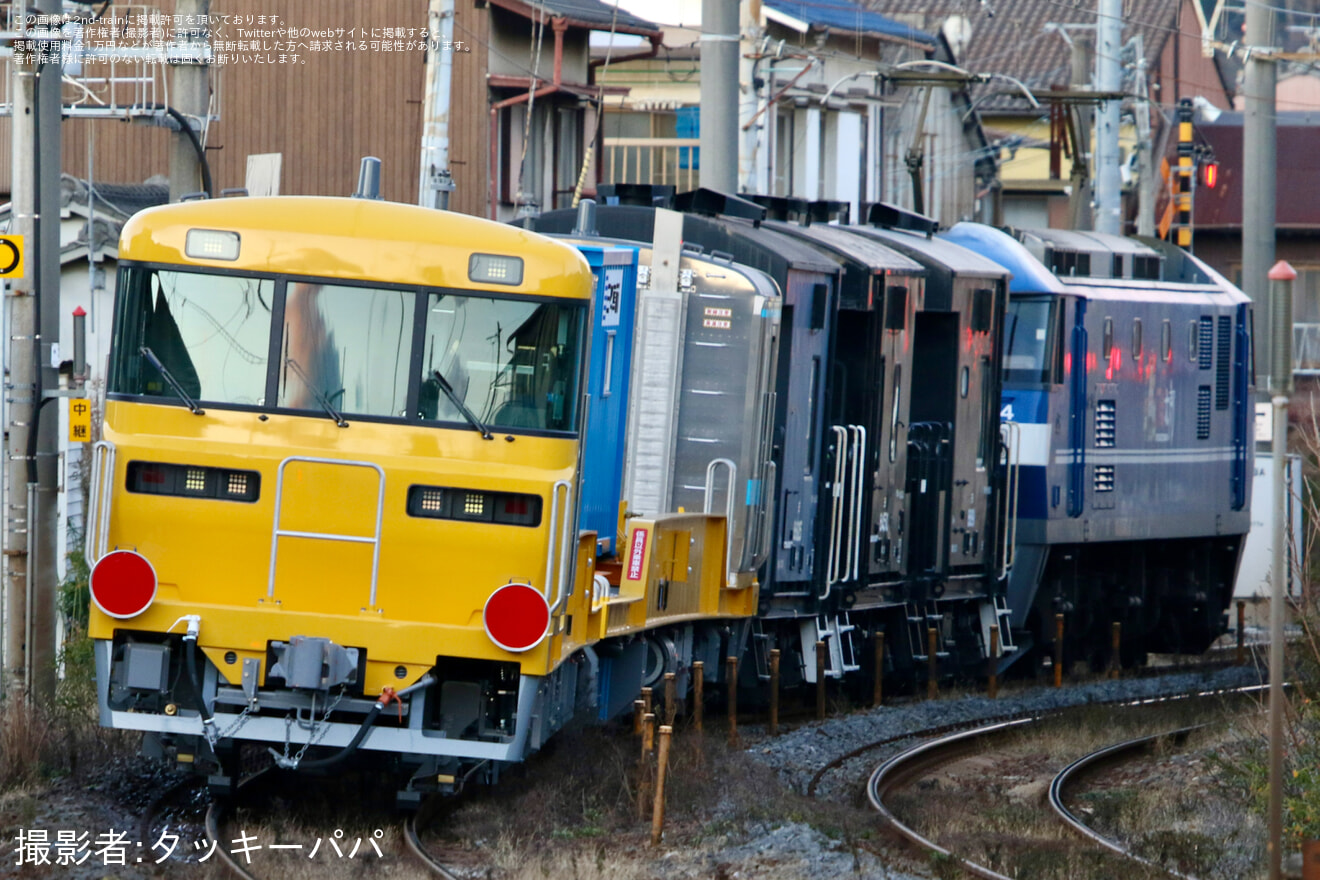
column 798, row 754
column 115, row 795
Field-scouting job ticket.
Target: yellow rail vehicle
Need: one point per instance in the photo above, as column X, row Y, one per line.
column 335, row 504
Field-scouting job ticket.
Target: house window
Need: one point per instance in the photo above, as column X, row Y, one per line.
column 542, row 165
column 568, row 154
column 687, row 124
column 783, row 161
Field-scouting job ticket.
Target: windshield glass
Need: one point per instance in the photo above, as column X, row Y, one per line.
column 513, row 363
column 1028, row 340
column 211, row 332
column 343, row 350
column 350, row 344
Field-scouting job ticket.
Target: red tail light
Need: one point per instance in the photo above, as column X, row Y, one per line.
column 516, row 617
column 123, row 583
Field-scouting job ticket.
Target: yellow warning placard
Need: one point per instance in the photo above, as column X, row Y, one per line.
column 11, row 256
column 80, row 420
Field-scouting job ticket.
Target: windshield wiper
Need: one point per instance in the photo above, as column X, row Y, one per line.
column 467, row 413
column 150, row 355
column 320, row 396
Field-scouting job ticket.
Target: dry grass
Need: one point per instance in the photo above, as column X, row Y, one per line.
column 987, row 807
column 26, row 743
column 575, row 810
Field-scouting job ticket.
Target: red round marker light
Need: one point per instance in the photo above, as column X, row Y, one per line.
column 516, row 617
column 123, row 583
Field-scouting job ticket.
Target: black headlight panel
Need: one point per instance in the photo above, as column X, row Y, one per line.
column 192, row 481
column 474, row 505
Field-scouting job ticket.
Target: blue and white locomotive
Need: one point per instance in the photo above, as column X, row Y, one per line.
column 1127, row 400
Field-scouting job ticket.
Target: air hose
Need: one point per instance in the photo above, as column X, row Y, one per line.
column 190, row 664
column 387, row 696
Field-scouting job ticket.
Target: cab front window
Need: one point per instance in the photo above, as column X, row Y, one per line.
column 1030, row 339
column 512, row 363
column 346, row 347
column 209, row 333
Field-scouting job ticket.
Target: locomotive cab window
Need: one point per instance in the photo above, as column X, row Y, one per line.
column 345, row 348
column 1030, row 340
column 512, row 363
column 207, row 335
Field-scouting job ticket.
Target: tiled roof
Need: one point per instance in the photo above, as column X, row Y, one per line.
column 845, row 15
column 1009, row 36
column 597, row 13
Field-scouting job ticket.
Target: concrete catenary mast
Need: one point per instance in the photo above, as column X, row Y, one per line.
column 190, row 95
column 32, row 505
column 436, row 183
column 719, row 94
column 1108, row 78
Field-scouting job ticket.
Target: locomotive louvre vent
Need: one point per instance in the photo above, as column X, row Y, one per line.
column 1203, row 412
column 1106, row 423
column 1104, row 478
column 1205, row 342
column 1223, row 351
column 1146, row 268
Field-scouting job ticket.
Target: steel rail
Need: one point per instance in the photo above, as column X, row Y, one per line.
column 1064, row 776
column 904, row 765
column 837, row 762
column 413, row 840
column 214, row 813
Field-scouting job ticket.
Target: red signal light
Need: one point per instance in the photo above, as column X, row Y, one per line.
column 123, row 583
column 1210, row 174
column 516, row 617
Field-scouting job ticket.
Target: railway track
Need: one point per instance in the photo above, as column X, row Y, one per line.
column 218, row 840
column 950, row 746
column 1085, row 763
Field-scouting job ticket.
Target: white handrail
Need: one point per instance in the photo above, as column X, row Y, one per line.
column 96, row 525
column 1012, row 435
column 836, row 507
column 374, row 540
column 859, row 461
column 557, row 546
column 708, row 502
column 768, row 474
column 767, row 513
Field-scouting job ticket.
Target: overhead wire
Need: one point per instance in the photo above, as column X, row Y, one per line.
column 588, row 148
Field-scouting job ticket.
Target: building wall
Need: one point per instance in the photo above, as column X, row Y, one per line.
column 951, row 149
column 1182, row 72
column 323, row 114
